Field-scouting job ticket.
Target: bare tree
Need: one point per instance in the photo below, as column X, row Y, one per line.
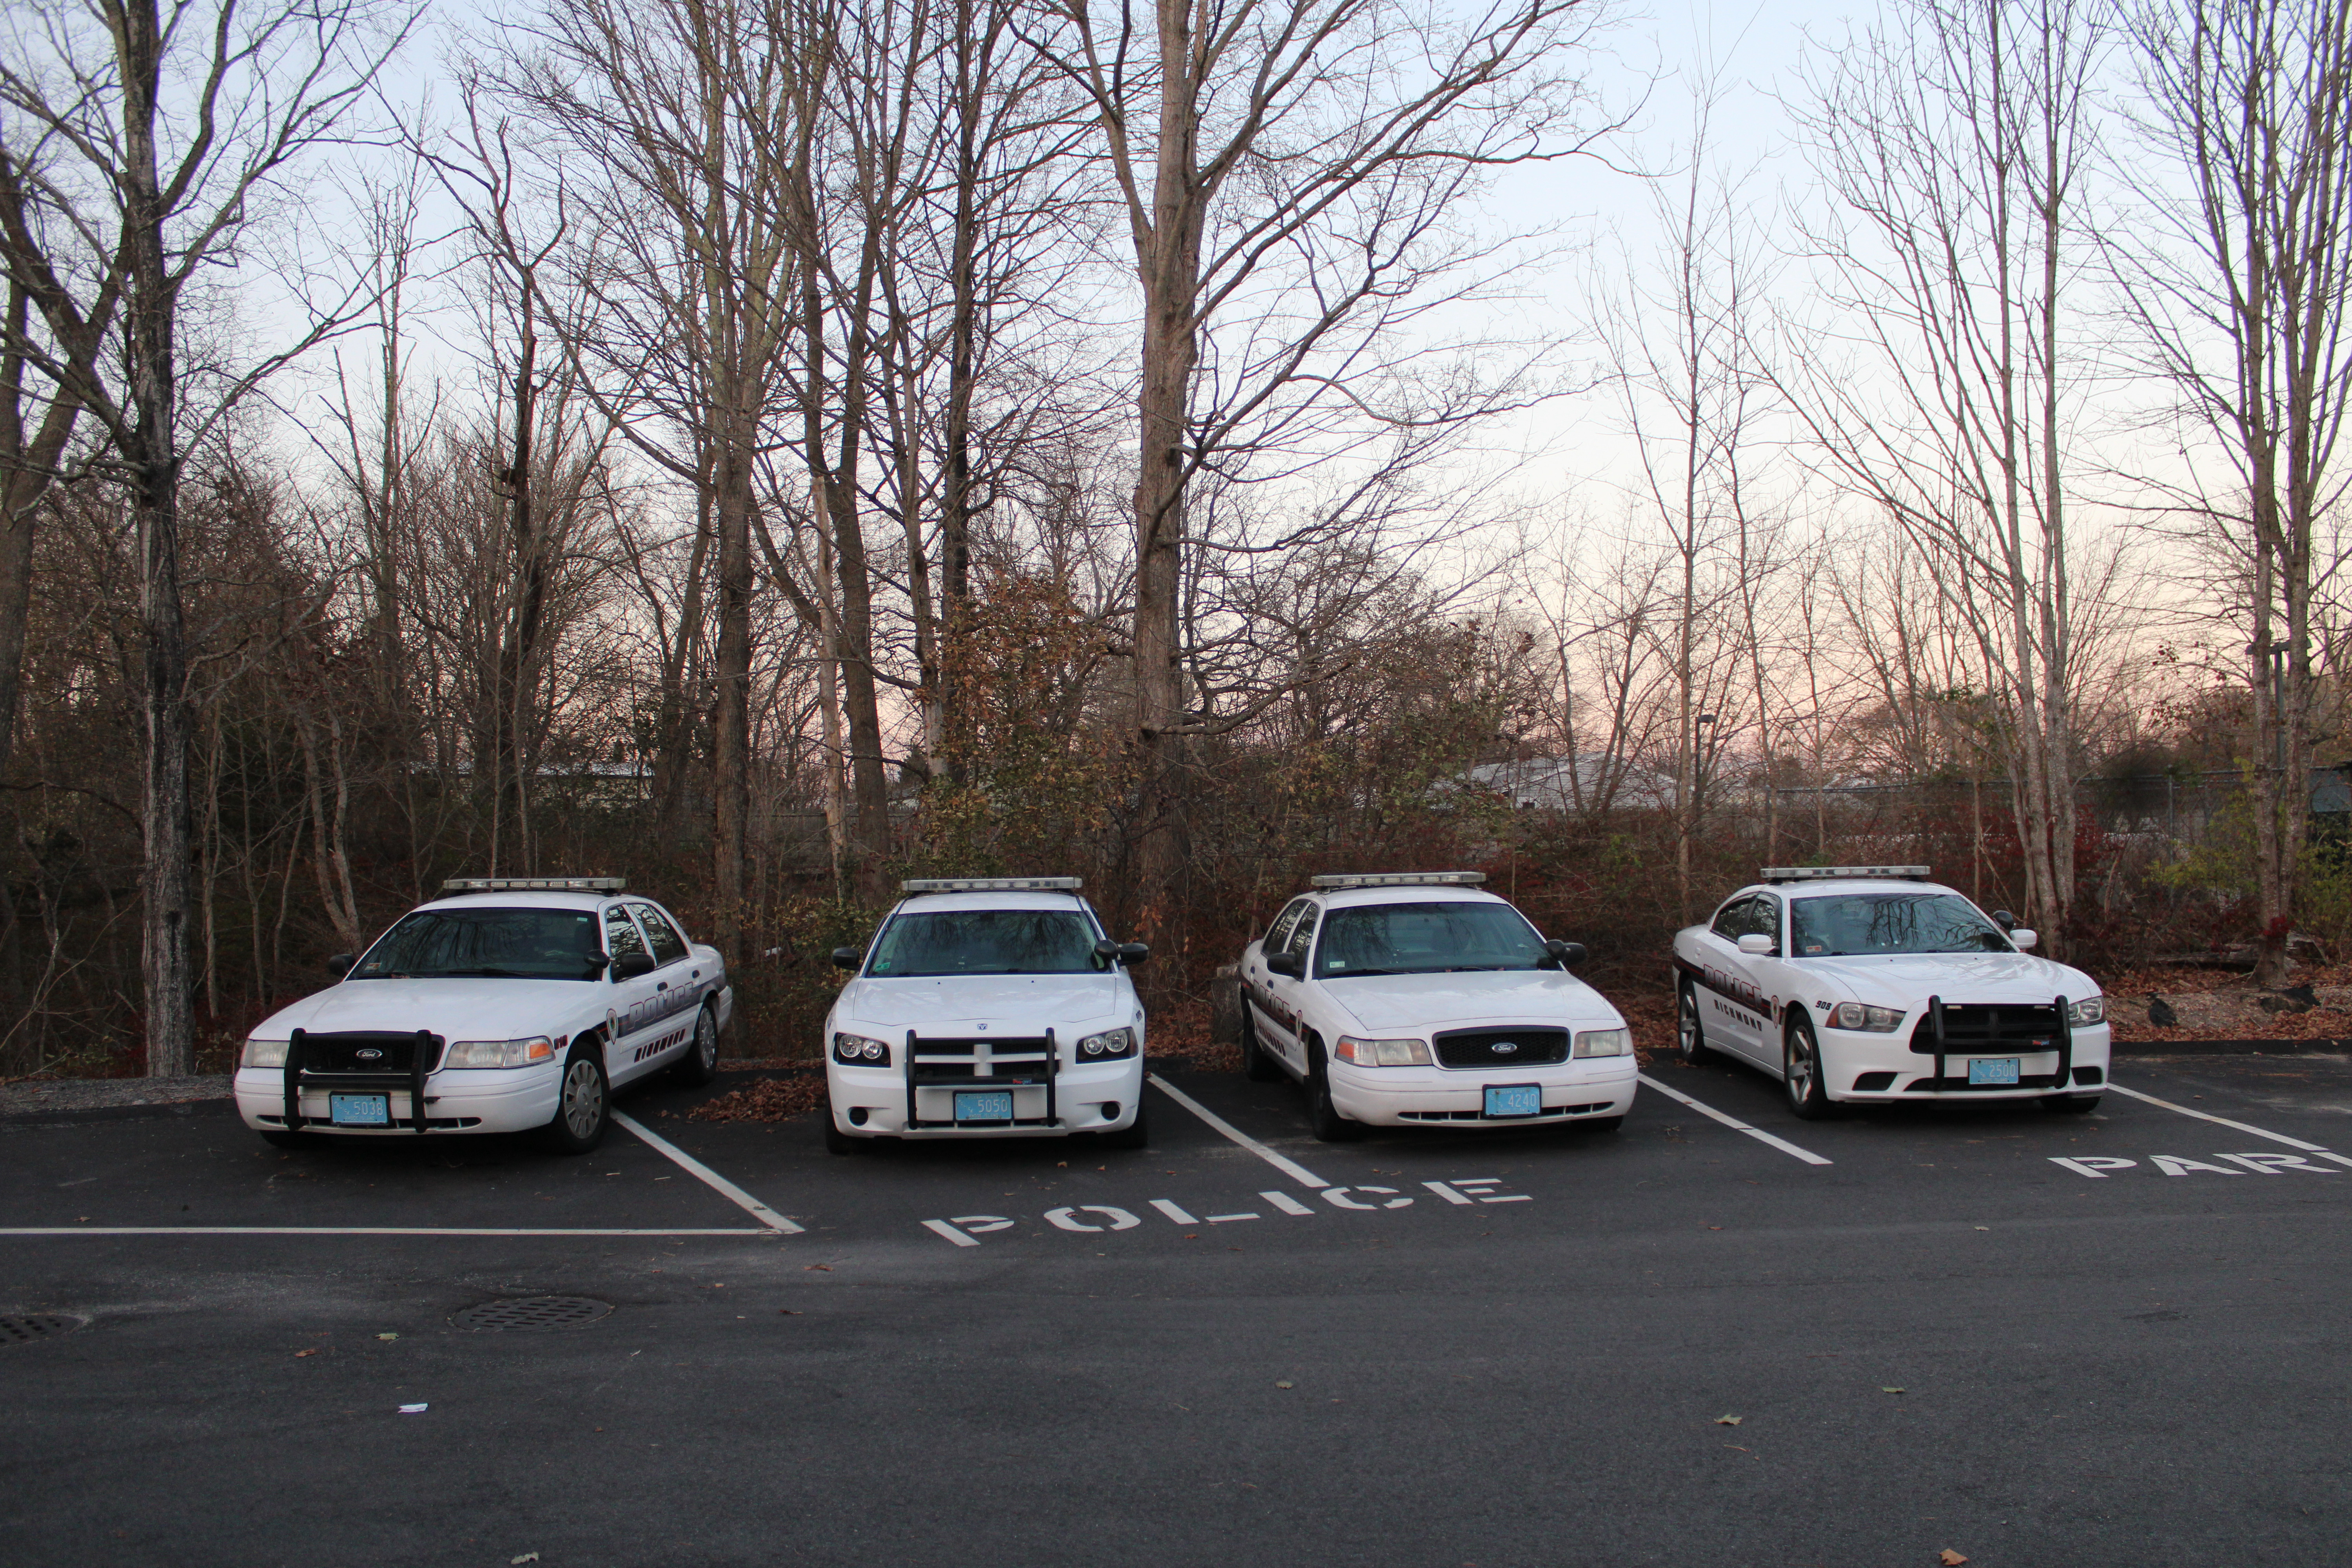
column 2243, row 307
column 135, row 151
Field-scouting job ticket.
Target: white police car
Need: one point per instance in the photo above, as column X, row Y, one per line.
column 1414, row 999
column 1870, row 982
column 987, row 1007
column 510, row 1005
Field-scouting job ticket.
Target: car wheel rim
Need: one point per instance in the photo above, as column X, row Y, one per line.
column 1801, row 1069
column 706, row 1041
column 584, row 1099
column 1686, row 1026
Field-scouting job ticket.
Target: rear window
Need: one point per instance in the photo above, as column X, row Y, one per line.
column 986, row 942
column 496, row 944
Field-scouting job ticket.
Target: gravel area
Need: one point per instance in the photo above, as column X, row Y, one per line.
column 35, row 1096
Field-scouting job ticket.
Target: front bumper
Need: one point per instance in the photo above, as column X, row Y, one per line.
column 1098, row 1097
column 1595, row 1089
column 1858, row 1066
column 504, row 1100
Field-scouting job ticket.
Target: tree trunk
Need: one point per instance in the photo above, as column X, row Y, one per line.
column 731, row 777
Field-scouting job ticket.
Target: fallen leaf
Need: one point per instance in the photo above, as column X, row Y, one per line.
column 1950, row 1558
column 299, row 1355
column 391, row 1336
column 526, row 1557
column 413, row 1409
column 1061, row 1164
column 1984, row 1228
column 818, row 1268
column 1286, row 1385
column 1883, row 1389
column 1729, row 1420
column 786, row 1312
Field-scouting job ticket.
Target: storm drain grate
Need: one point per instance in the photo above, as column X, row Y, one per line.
column 40, row 1326
column 533, row 1312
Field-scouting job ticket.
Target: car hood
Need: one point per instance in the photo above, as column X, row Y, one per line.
column 1024, row 1000
column 1907, row 980
column 453, row 1009
column 1380, row 1002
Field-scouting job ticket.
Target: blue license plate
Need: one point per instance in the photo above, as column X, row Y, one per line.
column 360, row 1110
column 1995, row 1073
column 992, row 1105
column 1514, row 1099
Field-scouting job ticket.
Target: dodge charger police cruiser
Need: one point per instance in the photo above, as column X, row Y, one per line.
column 1870, row 982
column 1406, row 999
column 987, row 1007
column 510, row 1005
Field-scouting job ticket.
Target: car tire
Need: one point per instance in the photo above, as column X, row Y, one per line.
column 278, row 1137
column 1603, row 1123
column 1323, row 1118
column 2070, row 1104
column 700, row 1063
column 1800, row 1067
column 1136, row 1134
column 583, row 1105
column 1257, row 1065
column 1690, row 1038
column 836, row 1142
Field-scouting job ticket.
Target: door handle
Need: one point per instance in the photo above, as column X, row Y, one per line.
column 661, row 984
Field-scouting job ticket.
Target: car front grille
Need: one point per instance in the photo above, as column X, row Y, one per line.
column 345, row 1053
column 1500, row 1047
column 1974, row 1028
column 956, row 1064
column 1550, row 1112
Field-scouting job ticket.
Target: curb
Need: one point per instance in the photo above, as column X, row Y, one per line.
column 2229, row 1047
column 68, row 1118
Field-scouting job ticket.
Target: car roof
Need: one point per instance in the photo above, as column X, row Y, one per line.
column 1356, row 898
column 991, row 898
column 1816, row 889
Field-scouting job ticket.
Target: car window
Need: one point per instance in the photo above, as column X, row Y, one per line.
column 621, row 938
column 986, row 942
column 486, row 943
column 1730, row 921
column 1764, row 918
column 668, row 946
column 1279, row 932
column 1859, row 923
column 1421, row 939
column 1302, row 933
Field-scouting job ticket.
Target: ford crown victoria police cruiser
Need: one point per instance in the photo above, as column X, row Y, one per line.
column 512, row 1003
column 1870, row 982
column 987, row 1006
column 1414, row 999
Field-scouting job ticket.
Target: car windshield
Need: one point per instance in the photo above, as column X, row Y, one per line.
column 986, row 942
column 1424, row 939
column 1859, row 924
column 496, row 944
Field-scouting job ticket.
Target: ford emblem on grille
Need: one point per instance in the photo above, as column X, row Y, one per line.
column 1503, row 1047
column 368, row 1056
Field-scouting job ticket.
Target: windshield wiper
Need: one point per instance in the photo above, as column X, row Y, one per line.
column 482, row 973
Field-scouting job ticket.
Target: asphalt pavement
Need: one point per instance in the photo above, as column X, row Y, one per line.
column 2019, row 1337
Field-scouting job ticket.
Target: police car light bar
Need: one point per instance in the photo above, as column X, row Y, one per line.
column 1823, row 873
column 1399, row 879
column 993, row 885
column 534, row 884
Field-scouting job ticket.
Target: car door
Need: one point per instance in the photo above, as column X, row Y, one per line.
column 676, row 990
column 630, row 1008
column 1286, row 995
column 1763, row 972
column 1730, row 1022
column 1271, row 1031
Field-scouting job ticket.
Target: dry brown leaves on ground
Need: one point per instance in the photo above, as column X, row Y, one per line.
column 776, row 1098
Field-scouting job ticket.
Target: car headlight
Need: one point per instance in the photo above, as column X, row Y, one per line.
column 1109, row 1042
column 857, row 1050
column 2089, row 1010
column 264, row 1053
column 1603, row 1043
column 1382, row 1053
column 1862, row 1016
column 500, row 1053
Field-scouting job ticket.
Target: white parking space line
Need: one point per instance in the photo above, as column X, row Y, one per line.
column 1291, row 1168
column 1173, row 1211
column 943, row 1228
column 348, row 1230
column 1783, row 1144
column 2222, row 1120
column 712, row 1179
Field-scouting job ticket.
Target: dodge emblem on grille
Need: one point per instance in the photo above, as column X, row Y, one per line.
column 368, row 1056
column 1503, row 1047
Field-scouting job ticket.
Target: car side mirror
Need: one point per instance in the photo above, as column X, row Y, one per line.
column 847, row 958
column 2004, row 920
column 340, row 964
column 1756, row 944
column 1285, row 963
column 2022, row 939
column 1131, row 953
column 1566, row 954
column 629, row 965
